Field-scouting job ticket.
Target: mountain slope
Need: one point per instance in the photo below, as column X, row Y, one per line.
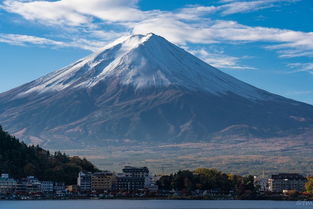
column 144, row 88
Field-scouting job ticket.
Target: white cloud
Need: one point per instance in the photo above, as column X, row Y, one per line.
column 229, row 7
column 25, row 40
column 20, row 40
column 233, row 7
column 290, row 53
column 46, row 12
column 75, row 12
column 288, row 43
column 302, row 67
column 193, row 12
column 82, row 12
column 85, row 44
column 226, row 1
column 174, row 30
column 297, row 44
column 220, row 60
column 84, row 20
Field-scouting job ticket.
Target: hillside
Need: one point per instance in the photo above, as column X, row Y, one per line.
column 20, row 160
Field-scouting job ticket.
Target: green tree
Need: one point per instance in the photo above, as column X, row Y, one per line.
column 212, row 179
column 246, row 189
column 165, row 182
column 20, row 160
column 309, row 185
column 183, row 180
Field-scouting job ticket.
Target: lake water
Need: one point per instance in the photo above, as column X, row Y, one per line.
column 154, row 204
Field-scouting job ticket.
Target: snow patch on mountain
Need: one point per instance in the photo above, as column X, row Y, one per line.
column 144, row 61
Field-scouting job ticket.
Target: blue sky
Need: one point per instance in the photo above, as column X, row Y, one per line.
column 267, row 43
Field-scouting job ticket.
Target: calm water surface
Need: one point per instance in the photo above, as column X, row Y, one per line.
column 154, row 204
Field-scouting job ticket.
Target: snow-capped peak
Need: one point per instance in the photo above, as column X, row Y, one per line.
column 85, row 70
column 143, row 61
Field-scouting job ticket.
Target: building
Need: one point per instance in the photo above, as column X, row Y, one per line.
column 21, row 187
column 133, row 179
column 136, row 171
column 33, row 185
column 7, row 184
column 150, row 184
column 59, row 187
column 72, row 188
column 5, row 176
column 102, row 181
column 286, row 181
column 128, row 183
column 46, row 186
column 261, row 183
column 84, row 181
column 28, row 185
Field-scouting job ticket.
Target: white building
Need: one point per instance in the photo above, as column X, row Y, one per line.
column 84, row 181
column 46, row 186
column 59, row 187
column 7, row 184
column 32, row 184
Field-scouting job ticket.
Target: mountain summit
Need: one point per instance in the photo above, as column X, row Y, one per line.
column 143, row 61
column 144, row 88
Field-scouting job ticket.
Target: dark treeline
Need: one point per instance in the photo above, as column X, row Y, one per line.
column 209, row 179
column 20, row 160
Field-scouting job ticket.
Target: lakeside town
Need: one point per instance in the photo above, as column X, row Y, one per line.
column 138, row 182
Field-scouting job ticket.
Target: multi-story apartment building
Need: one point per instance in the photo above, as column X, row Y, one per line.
column 286, row 181
column 46, row 186
column 102, row 181
column 136, row 171
column 59, row 187
column 33, row 185
column 133, row 179
column 7, row 184
column 21, row 186
column 84, row 181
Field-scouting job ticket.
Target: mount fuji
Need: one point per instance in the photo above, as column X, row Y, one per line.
column 145, row 89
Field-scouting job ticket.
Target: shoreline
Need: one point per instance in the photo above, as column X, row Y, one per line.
column 152, row 198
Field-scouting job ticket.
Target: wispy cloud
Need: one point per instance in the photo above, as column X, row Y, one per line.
column 220, row 60
column 287, row 43
column 74, row 12
column 302, row 67
column 87, row 22
column 26, row 40
column 22, row 40
column 229, row 7
column 81, row 12
column 233, row 7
